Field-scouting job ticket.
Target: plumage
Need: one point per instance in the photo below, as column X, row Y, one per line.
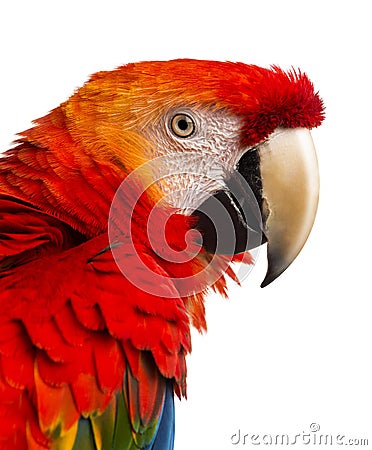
column 89, row 360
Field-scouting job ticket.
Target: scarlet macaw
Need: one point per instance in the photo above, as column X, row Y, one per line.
column 95, row 309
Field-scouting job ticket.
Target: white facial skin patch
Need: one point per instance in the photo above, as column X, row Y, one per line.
column 199, row 165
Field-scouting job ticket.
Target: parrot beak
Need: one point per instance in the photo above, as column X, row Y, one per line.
column 279, row 207
column 290, row 191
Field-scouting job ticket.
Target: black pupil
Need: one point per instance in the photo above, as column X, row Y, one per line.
column 183, row 124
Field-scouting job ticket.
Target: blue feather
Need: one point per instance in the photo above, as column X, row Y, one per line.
column 164, row 436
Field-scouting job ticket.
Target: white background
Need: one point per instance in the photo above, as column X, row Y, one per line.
column 277, row 359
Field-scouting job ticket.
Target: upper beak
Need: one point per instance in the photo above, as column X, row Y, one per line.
column 279, row 205
column 290, row 191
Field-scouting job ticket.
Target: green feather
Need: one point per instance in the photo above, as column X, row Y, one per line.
column 113, row 429
column 103, row 427
column 84, row 437
column 123, row 438
column 145, row 435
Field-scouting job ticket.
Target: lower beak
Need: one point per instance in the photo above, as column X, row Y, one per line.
column 290, row 191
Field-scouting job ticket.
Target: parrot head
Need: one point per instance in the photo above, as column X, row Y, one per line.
column 230, row 143
column 207, row 122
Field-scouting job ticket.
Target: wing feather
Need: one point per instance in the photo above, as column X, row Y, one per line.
column 87, row 360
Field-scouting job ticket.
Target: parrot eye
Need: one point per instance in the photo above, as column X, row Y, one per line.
column 182, row 125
